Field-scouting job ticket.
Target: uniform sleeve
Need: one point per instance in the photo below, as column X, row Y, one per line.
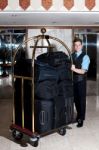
column 85, row 62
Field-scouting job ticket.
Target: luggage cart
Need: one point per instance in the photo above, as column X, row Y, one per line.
column 21, row 124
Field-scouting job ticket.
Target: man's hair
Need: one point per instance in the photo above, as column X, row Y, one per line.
column 77, row 40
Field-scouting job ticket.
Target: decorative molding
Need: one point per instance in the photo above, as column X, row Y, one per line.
column 90, row 4
column 49, row 5
column 68, row 4
column 24, row 3
column 46, row 4
column 3, row 4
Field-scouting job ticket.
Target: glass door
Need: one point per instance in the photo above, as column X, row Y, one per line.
column 9, row 41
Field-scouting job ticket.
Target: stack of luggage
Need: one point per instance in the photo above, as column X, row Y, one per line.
column 53, row 91
column 53, row 104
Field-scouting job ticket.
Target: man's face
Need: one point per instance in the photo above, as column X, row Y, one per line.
column 77, row 46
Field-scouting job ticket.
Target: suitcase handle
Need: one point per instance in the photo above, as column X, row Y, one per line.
column 43, row 117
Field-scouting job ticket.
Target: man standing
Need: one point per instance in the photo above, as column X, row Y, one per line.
column 80, row 67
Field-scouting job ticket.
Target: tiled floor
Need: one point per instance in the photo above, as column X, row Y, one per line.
column 85, row 138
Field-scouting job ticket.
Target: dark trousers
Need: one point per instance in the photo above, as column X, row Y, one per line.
column 80, row 98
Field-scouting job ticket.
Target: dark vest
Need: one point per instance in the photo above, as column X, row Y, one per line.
column 77, row 61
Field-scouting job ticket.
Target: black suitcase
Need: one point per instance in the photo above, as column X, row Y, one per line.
column 44, row 116
column 69, row 109
column 60, row 112
column 64, row 110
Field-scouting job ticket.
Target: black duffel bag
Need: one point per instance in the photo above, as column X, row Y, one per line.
column 44, row 71
column 46, row 90
column 54, row 58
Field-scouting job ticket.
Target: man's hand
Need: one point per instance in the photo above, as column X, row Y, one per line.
column 73, row 67
column 79, row 71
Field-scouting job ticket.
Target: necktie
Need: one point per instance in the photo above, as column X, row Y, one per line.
column 75, row 56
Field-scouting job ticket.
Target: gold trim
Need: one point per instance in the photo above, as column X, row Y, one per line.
column 13, row 102
column 25, row 78
column 22, row 100
column 33, row 99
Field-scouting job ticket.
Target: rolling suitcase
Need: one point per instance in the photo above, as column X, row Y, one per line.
column 60, row 112
column 44, row 116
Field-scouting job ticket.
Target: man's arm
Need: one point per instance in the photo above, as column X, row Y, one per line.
column 79, row 71
column 85, row 66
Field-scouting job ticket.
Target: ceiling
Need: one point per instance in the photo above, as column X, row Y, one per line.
column 49, row 18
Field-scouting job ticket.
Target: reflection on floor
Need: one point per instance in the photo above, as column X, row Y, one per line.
column 86, row 138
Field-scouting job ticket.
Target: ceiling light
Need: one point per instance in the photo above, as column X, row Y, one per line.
column 54, row 22
column 14, row 15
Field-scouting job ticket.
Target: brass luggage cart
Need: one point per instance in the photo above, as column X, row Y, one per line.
column 19, row 128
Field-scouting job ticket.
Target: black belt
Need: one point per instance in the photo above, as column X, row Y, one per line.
column 78, row 78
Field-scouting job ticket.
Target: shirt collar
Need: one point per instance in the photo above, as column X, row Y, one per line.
column 79, row 52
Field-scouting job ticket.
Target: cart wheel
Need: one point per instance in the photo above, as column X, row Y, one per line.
column 34, row 141
column 35, row 144
column 17, row 135
column 62, row 131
